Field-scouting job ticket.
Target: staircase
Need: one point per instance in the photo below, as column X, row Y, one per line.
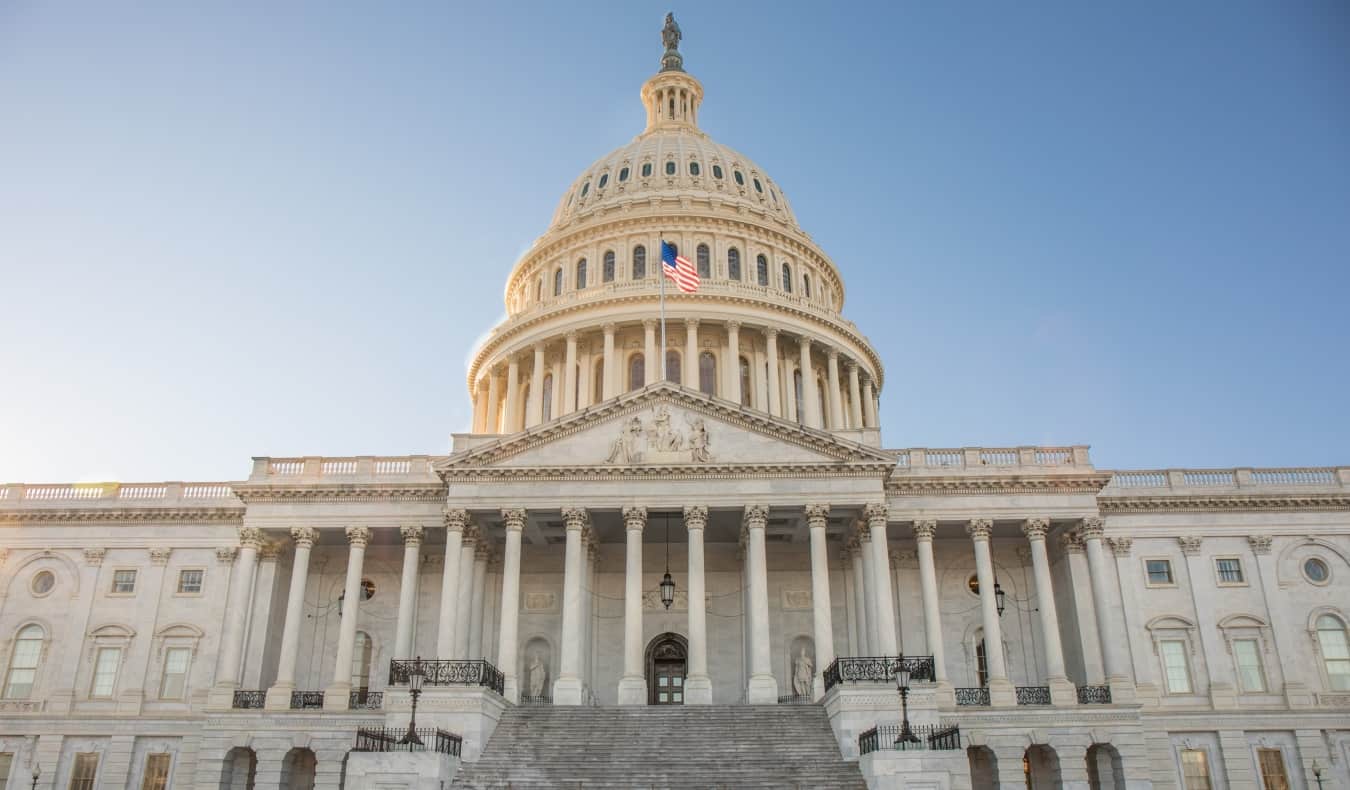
column 703, row 747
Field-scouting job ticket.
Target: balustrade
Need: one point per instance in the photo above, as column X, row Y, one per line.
column 306, row 700
column 933, row 737
column 251, row 699
column 443, row 672
column 1033, row 695
column 1094, row 695
column 976, row 697
column 361, row 699
column 862, row 669
column 391, row 739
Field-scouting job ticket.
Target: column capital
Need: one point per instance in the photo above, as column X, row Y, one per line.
column 539, row 346
column 1092, row 527
column 159, row 555
column 412, row 534
column 304, row 537
column 1120, row 545
column 635, row 517
column 269, row 550
column 224, row 555
column 980, row 528
column 513, row 519
column 1260, row 543
column 358, row 536
column 575, row 518
column 817, row 515
column 691, row 323
column 756, row 516
column 1035, row 528
column 804, row 341
column 608, row 327
column 649, row 323
column 876, row 513
column 456, row 519
column 832, row 353
column 1190, row 545
column 695, row 517
column 850, row 366
column 925, row 528
column 472, row 534
column 250, row 537
column 1073, row 542
column 733, row 326
column 482, row 551
column 771, row 332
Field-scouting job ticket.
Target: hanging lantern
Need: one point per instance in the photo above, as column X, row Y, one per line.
column 999, row 595
column 667, row 590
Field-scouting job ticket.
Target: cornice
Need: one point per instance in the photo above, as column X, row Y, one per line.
column 251, row 493
column 1225, row 503
column 129, row 515
column 668, row 472
column 967, row 485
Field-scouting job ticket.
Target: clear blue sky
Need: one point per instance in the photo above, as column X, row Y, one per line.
column 237, row 229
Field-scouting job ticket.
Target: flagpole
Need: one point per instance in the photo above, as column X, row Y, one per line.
column 662, row 350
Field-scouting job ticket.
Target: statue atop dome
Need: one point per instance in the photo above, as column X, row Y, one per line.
column 672, row 60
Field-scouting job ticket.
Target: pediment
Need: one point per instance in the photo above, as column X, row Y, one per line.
column 667, row 426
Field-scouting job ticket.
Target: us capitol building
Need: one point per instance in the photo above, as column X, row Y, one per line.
column 1052, row 624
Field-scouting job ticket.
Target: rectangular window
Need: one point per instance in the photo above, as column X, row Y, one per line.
column 1195, row 769
column 1273, row 776
column 1159, row 572
column 156, row 772
column 85, row 771
column 1230, row 570
column 1174, row 664
column 6, row 762
column 1250, row 675
column 174, row 682
column 124, row 582
column 190, row 581
column 105, row 672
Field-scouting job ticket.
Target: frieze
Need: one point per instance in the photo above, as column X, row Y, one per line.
column 134, row 515
column 356, row 492
column 669, row 472
column 976, row 485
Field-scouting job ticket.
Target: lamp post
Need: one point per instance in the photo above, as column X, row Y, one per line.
column 415, row 678
column 907, row 735
column 667, row 583
column 37, row 774
column 1317, row 773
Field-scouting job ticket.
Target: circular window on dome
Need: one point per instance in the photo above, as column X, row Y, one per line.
column 43, row 583
column 623, row 174
column 670, row 168
column 759, row 187
column 647, row 170
column 367, row 589
column 740, row 179
column 1315, row 569
column 973, row 584
column 717, row 172
column 586, row 187
column 604, row 179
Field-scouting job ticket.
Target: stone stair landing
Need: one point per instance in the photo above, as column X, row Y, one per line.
column 704, row 747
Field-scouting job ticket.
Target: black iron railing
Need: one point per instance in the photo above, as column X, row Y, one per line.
column 860, row 669
column 306, row 700
column 794, row 699
column 535, row 702
column 249, row 700
column 931, row 737
column 366, row 700
column 1033, row 695
column 973, row 696
column 1094, row 695
column 390, row 739
column 440, row 672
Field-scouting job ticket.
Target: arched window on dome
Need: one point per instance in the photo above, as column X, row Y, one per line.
column 740, row 179
column 734, row 264
column 623, row 175
column 538, row 290
column 585, row 188
column 604, row 179
column 717, row 172
column 759, row 187
column 557, row 281
column 745, row 381
column 607, row 269
column 637, row 372
column 670, row 167
column 806, row 285
column 673, row 366
column 546, row 397
column 24, row 661
column 787, row 278
column 639, row 262
column 598, row 387
column 704, row 261
column 693, row 168
column 1335, row 649
column 581, row 274
column 822, row 403
column 797, row 388
column 707, row 373
column 762, row 270
column 646, row 169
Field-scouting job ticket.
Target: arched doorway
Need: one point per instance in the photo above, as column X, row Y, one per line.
column 298, row 768
column 983, row 766
column 1104, row 769
column 239, row 769
column 1040, row 763
column 667, row 667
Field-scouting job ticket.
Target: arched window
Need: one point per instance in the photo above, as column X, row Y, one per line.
column 693, row 168
column 759, row 187
column 673, row 366
column 538, row 289
column 599, row 391
column 647, row 170
column 604, row 179
column 623, row 174
column 557, row 282
column 806, row 286
column 546, row 395
column 717, row 172
column 981, row 664
column 23, row 662
column 361, row 662
column 740, row 179
column 639, row 262
column 670, row 166
column 581, row 274
column 821, row 402
column 707, row 373
column 745, row 381
column 607, row 271
column 585, row 188
column 801, row 404
column 734, row 263
column 762, row 270
column 703, row 261
column 637, row 372
column 787, row 278
column 1335, row 647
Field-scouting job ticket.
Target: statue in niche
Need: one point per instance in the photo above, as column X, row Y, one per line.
column 625, row 448
column 803, row 674
column 662, row 436
column 698, row 443
column 536, row 675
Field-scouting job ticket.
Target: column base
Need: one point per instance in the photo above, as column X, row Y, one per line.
column 1002, row 693
column 511, row 690
column 698, row 690
column 337, row 697
column 1297, row 695
column 1062, row 692
column 567, row 691
column 1122, row 690
column 1221, row 695
column 279, row 697
column 944, row 694
column 762, row 690
column 222, row 698
column 633, row 691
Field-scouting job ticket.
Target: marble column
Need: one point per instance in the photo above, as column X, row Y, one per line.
column 567, row 688
column 651, row 363
column 864, row 563
column 407, row 591
column 513, row 520
column 279, row 695
column 763, row 687
column 689, row 370
column 732, row 389
column 569, row 378
column 876, row 514
column 1062, row 692
column 854, row 647
column 494, row 403
column 854, row 395
column 833, row 390
column 817, row 516
column 1075, row 554
column 455, row 523
column 1111, row 636
column 1001, row 692
column 585, row 377
column 633, row 684
column 464, row 593
column 775, row 401
column 810, row 392
column 609, row 373
column 698, row 685
column 534, row 409
column 236, row 612
column 590, row 555
column 336, row 696
column 869, row 405
column 513, row 412
column 481, row 555
column 924, row 529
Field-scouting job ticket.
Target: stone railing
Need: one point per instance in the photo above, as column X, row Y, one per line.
column 314, row 468
column 930, row 460
column 118, row 494
column 1241, row 478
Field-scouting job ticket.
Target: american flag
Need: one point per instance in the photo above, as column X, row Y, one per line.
column 678, row 269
